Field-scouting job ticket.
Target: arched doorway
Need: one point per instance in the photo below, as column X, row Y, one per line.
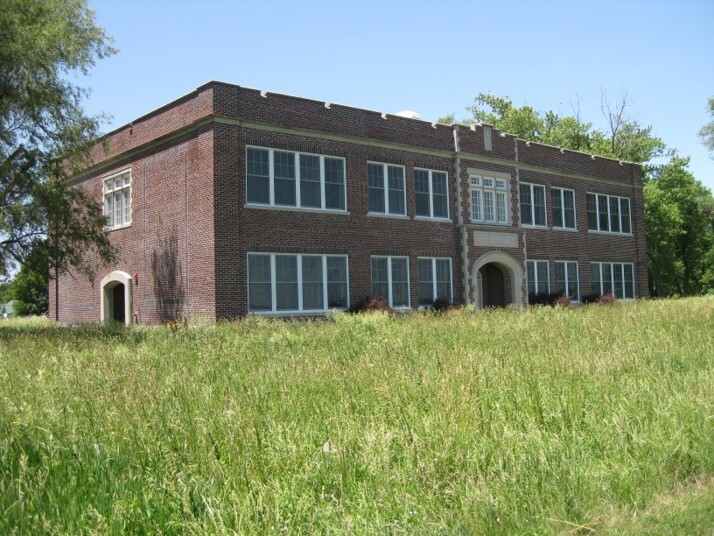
column 498, row 280
column 116, row 298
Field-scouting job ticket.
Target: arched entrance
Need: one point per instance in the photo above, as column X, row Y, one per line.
column 498, row 280
column 116, row 298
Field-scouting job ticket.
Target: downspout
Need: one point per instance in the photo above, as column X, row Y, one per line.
column 460, row 216
column 524, row 268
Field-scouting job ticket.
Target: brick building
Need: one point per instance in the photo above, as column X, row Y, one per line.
column 230, row 201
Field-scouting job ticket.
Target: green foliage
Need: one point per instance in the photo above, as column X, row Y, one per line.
column 707, row 131
column 29, row 287
column 44, row 132
column 680, row 231
column 492, row 423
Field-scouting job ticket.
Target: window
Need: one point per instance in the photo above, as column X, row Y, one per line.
column 613, row 278
column 290, row 179
column 386, row 189
column 489, row 200
column 538, row 277
column 296, row 283
column 609, row 213
column 390, row 280
column 533, row 205
column 117, row 200
column 434, row 280
column 566, row 279
column 563, row 208
column 430, row 191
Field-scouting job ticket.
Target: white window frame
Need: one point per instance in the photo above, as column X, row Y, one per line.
column 532, row 187
column 536, row 281
column 431, row 216
column 498, row 185
column 561, row 224
column 567, row 266
column 609, row 215
column 612, row 266
column 298, row 201
column 110, row 195
column 385, row 180
column 434, row 280
column 390, row 298
column 273, row 284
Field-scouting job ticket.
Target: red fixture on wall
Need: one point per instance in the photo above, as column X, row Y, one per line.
column 136, row 278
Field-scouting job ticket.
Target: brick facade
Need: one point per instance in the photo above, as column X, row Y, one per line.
column 192, row 226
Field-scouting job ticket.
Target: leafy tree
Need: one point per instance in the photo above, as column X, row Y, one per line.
column 707, row 131
column 29, row 287
column 45, row 136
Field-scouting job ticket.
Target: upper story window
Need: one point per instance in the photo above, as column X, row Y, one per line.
column 290, row 179
column 117, row 200
column 489, row 199
column 431, row 193
column 563, row 208
column 609, row 213
column 533, row 205
column 390, row 280
column 387, row 194
column 296, row 283
column 434, row 280
column 613, row 278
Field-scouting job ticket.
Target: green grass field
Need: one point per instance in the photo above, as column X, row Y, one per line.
column 598, row 419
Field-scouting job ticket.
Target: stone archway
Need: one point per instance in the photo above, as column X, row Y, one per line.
column 498, row 280
column 116, row 298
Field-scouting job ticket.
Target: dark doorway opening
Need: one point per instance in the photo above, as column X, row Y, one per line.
column 118, row 303
column 493, row 286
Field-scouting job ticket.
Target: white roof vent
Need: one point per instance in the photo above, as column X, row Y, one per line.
column 409, row 114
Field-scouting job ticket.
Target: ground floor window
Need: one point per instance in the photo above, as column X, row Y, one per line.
column 538, row 277
column 296, row 283
column 434, row 280
column 390, row 280
column 614, row 278
column 566, row 279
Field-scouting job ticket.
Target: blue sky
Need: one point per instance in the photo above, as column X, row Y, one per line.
column 432, row 57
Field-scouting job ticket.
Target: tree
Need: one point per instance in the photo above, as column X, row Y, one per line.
column 707, row 131
column 29, row 287
column 45, row 135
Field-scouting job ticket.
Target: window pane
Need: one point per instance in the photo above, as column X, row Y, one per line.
column 617, row 287
column 596, row 277
column 421, row 192
column 573, row 286
column 629, row 282
column 614, row 215
column 606, row 278
column 441, row 198
column 531, row 275
column 396, row 190
column 625, row 214
column 543, row 283
column 426, row 282
column 258, row 176
column 284, row 169
column 260, row 298
column 127, row 206
column 443, row 279
column 501, row 207
column 400, row 283
column 569, row 208
column 380, row 281
column 310, row 189
column 539, row 204
column 375, row 178
column 117, row 208
column 109, row 209
column 592, row 212
column 476, row 205
column 286, row 289
column 312, row 282
column 526, row 212
column 488, row 212
column 334, row 183
column 557, row 202
column 602, row 211
column 560, row 278
column 336, row 282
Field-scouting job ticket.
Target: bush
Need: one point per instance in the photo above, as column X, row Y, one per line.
column 607, row 299
column 543, row 298
column 442, row 306
column 369, row 304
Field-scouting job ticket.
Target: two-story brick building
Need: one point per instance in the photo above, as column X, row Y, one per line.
column 230, row 202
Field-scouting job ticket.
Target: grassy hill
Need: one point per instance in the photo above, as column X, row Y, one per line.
column 599, row 418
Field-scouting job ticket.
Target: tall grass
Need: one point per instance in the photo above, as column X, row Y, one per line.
column 496, row 422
